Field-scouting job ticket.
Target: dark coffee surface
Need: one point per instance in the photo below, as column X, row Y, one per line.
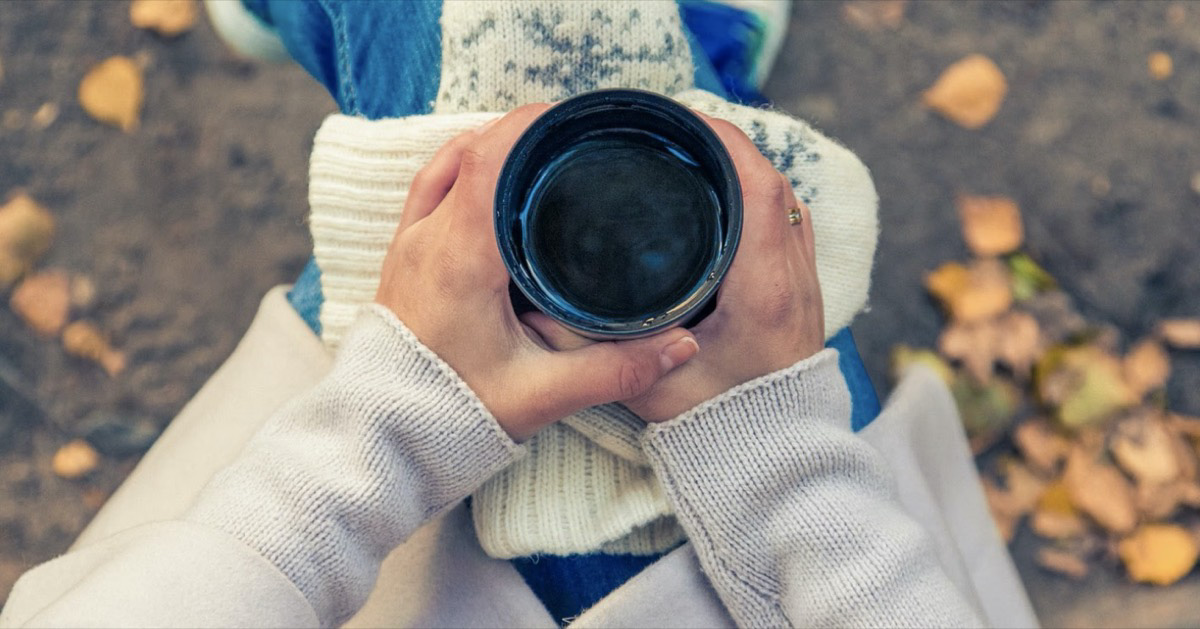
column 621, row 228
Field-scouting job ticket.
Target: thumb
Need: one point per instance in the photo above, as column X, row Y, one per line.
column 611, row 371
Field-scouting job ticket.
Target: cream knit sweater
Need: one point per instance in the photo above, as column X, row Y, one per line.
column 587, row 484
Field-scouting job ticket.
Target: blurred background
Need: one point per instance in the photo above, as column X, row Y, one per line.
column 167, row 234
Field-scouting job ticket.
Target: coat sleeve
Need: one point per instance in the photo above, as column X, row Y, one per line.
column 294, row 531
column 793, row 516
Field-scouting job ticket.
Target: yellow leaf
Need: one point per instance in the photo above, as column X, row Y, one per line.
column 991, row 225
column 1062, row 562
column 168, row 18
column 1180, row 333
column 75, row 460
column 1146, row 367
column 1160, row 65
column 969, row 92
column 1084, row 383
column 1158, row 553
column 112, row 92
column 85, row 340
column 43, row 300
column 973, row 293
column 1143, row 447
column 1100, row 491
column 904, row 357
column 26, row 231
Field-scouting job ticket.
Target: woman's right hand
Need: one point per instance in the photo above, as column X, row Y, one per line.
column 769, row 313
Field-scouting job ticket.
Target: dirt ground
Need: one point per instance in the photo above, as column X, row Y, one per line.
column 186, row 222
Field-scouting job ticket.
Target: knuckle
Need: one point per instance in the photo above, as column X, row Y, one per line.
column 631, row 380
column 768, row 187
column 475, row 159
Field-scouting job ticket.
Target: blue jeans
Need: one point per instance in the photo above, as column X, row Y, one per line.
column 382, row 60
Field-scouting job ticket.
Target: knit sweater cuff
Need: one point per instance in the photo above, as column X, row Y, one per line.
column 344, row 474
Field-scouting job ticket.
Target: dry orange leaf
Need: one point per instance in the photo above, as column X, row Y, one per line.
column 85, row 340
column 1146, row 367
column 1180, row 333
column 112, row 92
column 75, row 460
column 1143, row 446
column 991, row 225
column 26, row 231
column 874, row 15
column 969, row 92
column 1041, row 446
column 1019, row 341
column 168, row 18
column 43, row 301
column 1062, row 562
column 973, row 344
column 1160, row 65
column 1100, row 491
column 972, row 293
column 1159, row 553
column 1052, row 525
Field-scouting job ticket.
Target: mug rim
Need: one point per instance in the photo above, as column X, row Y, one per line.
column 508, row 200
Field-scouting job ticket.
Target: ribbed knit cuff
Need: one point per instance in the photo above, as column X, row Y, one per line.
column 341, row 476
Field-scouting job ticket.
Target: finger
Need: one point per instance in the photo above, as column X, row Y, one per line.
column 765, row 194
column 800, row 232
column 554, row 334
column 609, row 372
column 434, row 180
column 482, row 160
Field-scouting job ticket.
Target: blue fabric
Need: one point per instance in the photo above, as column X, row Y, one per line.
column 382, row 59
column 567, row 585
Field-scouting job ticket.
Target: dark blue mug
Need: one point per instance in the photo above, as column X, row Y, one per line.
column 617, row 213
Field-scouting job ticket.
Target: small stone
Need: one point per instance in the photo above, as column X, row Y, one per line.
column 75, row 460
column 1195, row 183
column 83, row 292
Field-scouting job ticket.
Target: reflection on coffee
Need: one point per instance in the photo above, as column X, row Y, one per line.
column 622, row 226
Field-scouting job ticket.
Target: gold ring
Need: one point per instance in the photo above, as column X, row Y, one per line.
column 794, row 216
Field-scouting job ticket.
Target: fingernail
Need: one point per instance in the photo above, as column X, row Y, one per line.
column 678, row 353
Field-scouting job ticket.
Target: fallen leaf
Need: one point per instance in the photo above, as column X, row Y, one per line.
column 93, row 498
column 1062, row 562
column 1018, row 342
column 972, row 344
column 1142, row 446
column 1006, row 524
column 1146, row 367
column 972, row 293
column 1028, row 278
column 1058, row 321
column 168, row 18
column 75, row 460
column 1187, row 426
column 1084, row 383
column 85, row 340
column 969, row 92
column 1100, row 491
column 1040, row 446
column 1158, row 553
column 1180, row 333
column 987, row 410
column 26, row 231
column 43, row 301
column 44, row 116
column 1021, row 491
column 874, row 15
column 112, row 92
column 1160, row 65
column 1158, row 501
column 991, row 225
column 83, row 292
column 1057, row 526
column 904, row 357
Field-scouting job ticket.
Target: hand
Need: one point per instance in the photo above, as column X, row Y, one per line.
column 769, row 313
column 444, row 278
